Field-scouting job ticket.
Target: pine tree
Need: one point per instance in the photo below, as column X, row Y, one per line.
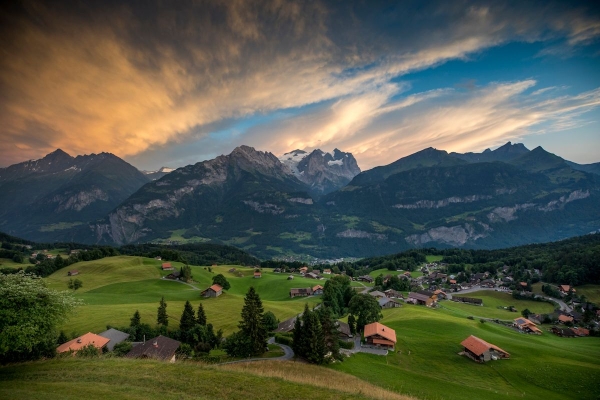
column 201, row 317
column 252, row 325
column 313, row 339
column 162, row 318
column 136, row 319
column 299, row 345
column 188, row 319
column 330, row 332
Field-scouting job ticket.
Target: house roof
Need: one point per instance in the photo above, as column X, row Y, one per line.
column 317, row 287
column 565, row 288
column 115, row 336
column 82, row 341
column 418, row 296
column 300, row 290
column 286, row 325
column 377, row 293
column 214, row 288
column 166, row 265
column 160, row 347
column 524, row 322
column 565, row 318
column 581, row 331
column 344, row 328
column 384, row 300
column 379, row 329
column 479, row 346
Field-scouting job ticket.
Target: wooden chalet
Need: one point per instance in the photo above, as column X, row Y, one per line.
column 393, row 294
column 159, row 348
column 420, row 299
column 167, row 267
column 563, row 319
column 173, row 275
column 316, row 290
column 257, row 274
column 213, row 291
column 386, row 302
column 562, row 332
column 366, row 278
column 481, row 351
column 377, row 294
column 312, row 275
column 73, row 273
column 379, row 335
column 525, row 325
column 300, row 292
column 565, row 289
column 468, row 300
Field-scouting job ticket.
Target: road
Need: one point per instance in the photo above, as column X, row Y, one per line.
column 288, row 355
column 563, row 306
column 185, row 283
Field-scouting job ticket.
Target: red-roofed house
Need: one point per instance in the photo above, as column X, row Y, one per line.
column 564, row 319
column 566, row 288
column 257, row 274
column 167, row 267
column 526, row 325
column 581, row 331
column 379, row 335
column 213, row 291
column 481, row 351
column 318, row 289
column 82, row 341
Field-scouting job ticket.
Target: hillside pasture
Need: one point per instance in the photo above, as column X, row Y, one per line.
column 591, row 292
column 8, row 263
column 426, row 363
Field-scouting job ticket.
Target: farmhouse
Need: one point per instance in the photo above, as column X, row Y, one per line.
column 580, row 331
column 312, row 275
column 468, row 300
column 481, row 351
column 213, row 291
column 393, row 294
column 564, row 289
column 563, row 332
column 115, row 336
column 440, row 294
column 366, row 278
column 257, row 274
column 159, row 348
column 525, row 325
column 317, row 290
column 167, row 267
column 377, row 294
column 563, row 319
column 300, row 292
column 173, row 275
column 303, row 270
column 83, row 341
column 73, row 273
column 327, row 271
column 420, row 299
column 379, row 335
column 386, row 302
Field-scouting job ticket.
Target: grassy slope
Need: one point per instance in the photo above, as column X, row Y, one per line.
column 428, row 366
column 592, row 292
column 113, row 288
column 134, row 379
column 8, row 263
column 491, row 301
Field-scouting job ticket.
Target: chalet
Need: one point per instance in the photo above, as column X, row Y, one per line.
column 428, row 293
column 73, row 273
column 452, row 281
column 114, row 336
column 386, row 302
column 563, row 319
column 478, row 277
column 580, row 331
column 563, row 332
column 366, row 278
column 303, row 270
column 523, row 285
column 481, row 351
column 525, row 325
column 379, row 335
column 167, row 267
column 565, row 289
column 312, row 275
column 286, row 326
column 159, row 348
column 300, row 292
column 318, row 289
column 173, row 275
column 377, row 294
column 488, row 283
column 257, row 274
column 82, row 341
column 213, row 291
column 420, row 299
column 344, row 330
column 393, row 294
column 468, row 300
column 440, row 294
column 277, row 270
column 327, row 272
column 289, row 278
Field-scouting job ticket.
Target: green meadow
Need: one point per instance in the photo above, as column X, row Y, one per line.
column 426, row 363
column 115, row 287
column 591, row 292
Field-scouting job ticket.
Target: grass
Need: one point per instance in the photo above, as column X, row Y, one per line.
column 431, row 258
column 8, row 263
column 426, row 363
column 115, row 378
column 115, row 287
column 491, row 301
column 177, row 236
column 591, row 292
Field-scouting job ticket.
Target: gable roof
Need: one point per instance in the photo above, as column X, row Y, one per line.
column 160, row 347
column 215, row 288
column 479, row 346
column 115, row 336
column 82, row 341
column 317, row 287
column 344, row 328
column 301, row 291
column 379, row 329
column 565, row 318
column 418, row 296
column 377, row 293
column 384, row 300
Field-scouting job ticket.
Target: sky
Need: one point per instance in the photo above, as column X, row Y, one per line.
column 174, row 83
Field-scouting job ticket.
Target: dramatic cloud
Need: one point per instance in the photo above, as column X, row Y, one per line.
column 134, row 78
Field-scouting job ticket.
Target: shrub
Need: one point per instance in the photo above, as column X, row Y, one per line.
column 281, row 339
column 470, row 317
column 122, row 348
column 346, row 345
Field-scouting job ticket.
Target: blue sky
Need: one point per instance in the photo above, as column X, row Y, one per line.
column 163, row 86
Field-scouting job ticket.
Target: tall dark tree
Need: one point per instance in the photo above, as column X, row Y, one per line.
column 201, row 316
column 162, row 318
column 366, row 309
column 136, row 319
column 270, row 320
column 252, row 323
column 188, row 319
column 298, row 335
column 352, row 324
column 186, row 273
column 313, row 339
column 330, row 332
column 221, row 281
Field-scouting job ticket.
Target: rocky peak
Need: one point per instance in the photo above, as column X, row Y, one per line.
column 504, row 153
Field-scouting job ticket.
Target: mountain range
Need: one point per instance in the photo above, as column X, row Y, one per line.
column 318, row 204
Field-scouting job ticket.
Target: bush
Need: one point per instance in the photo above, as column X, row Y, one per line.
column 470, row 317
column 122, row 348
column 88, row 351
column 281, row 339
column 346, row 345
column 482, row 321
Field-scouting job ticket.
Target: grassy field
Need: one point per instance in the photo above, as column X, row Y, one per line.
column 115, row 287
column 431, row 258
column 427, row 365
column 115, row 378
column 591, row 292
column 491, row 301
column 8, row 263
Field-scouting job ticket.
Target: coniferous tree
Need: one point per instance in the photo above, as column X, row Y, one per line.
column 297, row 344
column 330, row 332
column 136, row 319
column 201, row 316
column 162, row 318
column 252, row 323
column 313, row 339
column 352, row 324
column 188, row 319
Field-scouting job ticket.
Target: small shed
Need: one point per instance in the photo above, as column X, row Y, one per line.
column 481, row 351
column 213, row 291
column 73, row 273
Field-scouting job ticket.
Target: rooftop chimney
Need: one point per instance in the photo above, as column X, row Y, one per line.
column 79, row 340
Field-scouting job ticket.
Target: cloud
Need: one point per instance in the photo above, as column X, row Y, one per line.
column 130, row 78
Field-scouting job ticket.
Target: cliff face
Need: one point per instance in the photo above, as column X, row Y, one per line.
column 322, row 172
